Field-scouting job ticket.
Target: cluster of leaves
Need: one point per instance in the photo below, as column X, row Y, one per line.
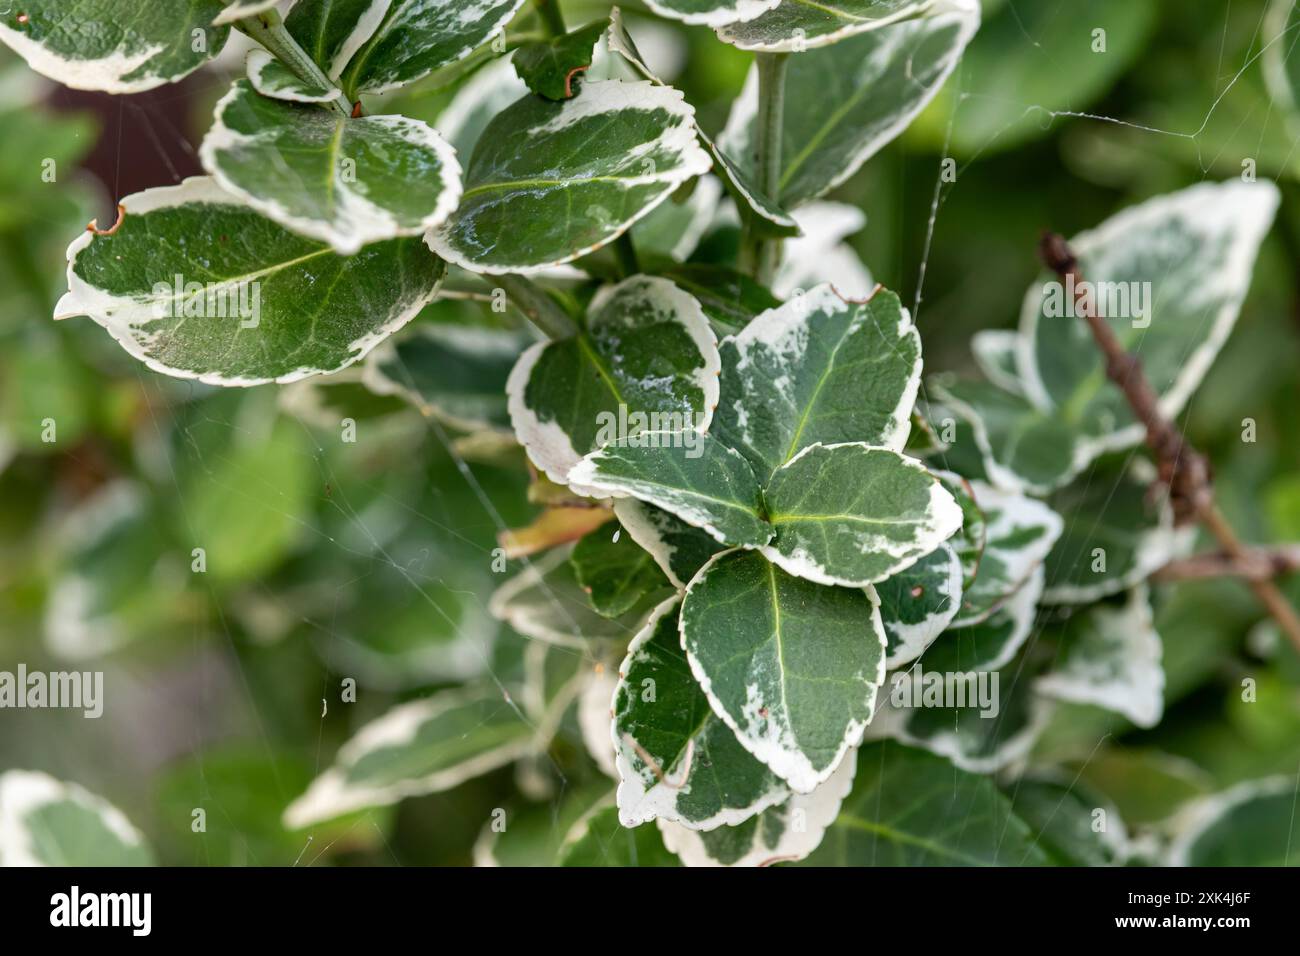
column 723, row 605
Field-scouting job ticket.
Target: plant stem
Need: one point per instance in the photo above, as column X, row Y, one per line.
column 625, row 250
column 537, row 306
column 268, row 30
column 1183, row 470
column 552, row 17
column 760, row 256
column 1251, row 563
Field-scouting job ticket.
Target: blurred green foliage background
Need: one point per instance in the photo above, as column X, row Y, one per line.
column 328, row 559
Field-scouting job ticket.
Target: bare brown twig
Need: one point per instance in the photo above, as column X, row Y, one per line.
column 1181, row 468
column 1255, row 563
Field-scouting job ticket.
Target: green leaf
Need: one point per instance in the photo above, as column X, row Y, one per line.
column 415, row 37
column 118, row 46
column 910, row 808
column 1147, row 785
column 677, row 760
column 823, row 254
column 729, row 298
column 818, row 370
column 549, row 66
column 46, row 822
column 791, row 666
column 345, row 181
column 533, row 833
column 770, row 219
column 1063, row 814
column 452, row 372
column 1252, row 824
column 646, row 360
column 1194, row 250
column 238, row 9
column 424, row 746
column 983, row 719
column 551, row 182
column 546, row 603
column 679, row 549
column 674, row 229
column 992, row 642
column 598, row 839
column 1017, row 445
column 994, row 351
column 331, row 31
column 616, row 572
column 795, row 26
column 850, row 514
column 477, row 102
column 853, row 98
column 711, row 13
column 1019, row 533
column 247, row 266
column 970, row 540
column 554, row 677
column 271, row 77
column 706, row 484
column 783, row 833
column 1116, row 536
column 917, row 604
column 1110, row 657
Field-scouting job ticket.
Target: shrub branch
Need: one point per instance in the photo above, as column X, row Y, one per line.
column 268, row 30
column 760, row 256
column 538, row 307
column 1183, row 470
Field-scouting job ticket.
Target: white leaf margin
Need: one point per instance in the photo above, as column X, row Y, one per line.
column 256, row 64
column 994, row 351
column 358, row 222
column 913, row 639
column 637, row 803
column 104, row 75
column 633, row 515
column 1193, row 821
column 605, row 96
column 330, row 795
column 1014, row 511
column 1137, row 693
column 945, row 519
column 547, row 444
column 502, row 606
column 1253, row 204
column 114, row 314
column 585, row 476
column 784, row 329
column 727, row 11
column 819, row 809
column 790, row 765
column 239, row 9
column 800, row 44
column 23, row 792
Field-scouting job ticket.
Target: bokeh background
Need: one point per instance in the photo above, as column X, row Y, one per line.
column 329, row 559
